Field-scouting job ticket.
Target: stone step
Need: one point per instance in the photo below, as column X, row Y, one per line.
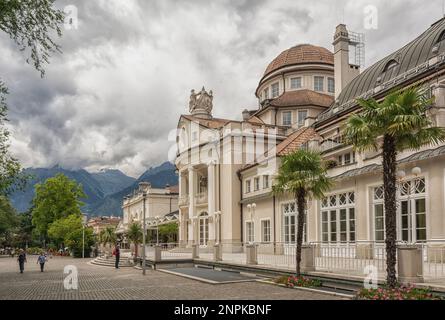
column 111, row 262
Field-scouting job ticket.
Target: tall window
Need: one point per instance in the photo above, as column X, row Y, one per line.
column 250, row 234
column 411, row 211
column 203, row 229
column 319, row 84
column 287, row 118
column 338, row 218
column 346, row 159
column 290, row 224
column 295, row 83
column 379, row 216
column 302, row 115
column 265, row 182
column 248, row 186
column 331, row 85
column 256, row 184
column 265, row 231
column 266, row 94
column 275, row 90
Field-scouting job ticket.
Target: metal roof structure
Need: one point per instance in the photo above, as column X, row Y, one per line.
column 425, row 53
column 374, row 168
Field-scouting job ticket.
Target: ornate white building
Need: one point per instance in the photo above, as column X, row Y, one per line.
column 159, row 203
column 227, row 167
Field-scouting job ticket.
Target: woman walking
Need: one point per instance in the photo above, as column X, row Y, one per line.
column 41, row 259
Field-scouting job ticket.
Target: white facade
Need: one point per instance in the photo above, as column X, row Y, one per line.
column 232, row 202
column 158, row 203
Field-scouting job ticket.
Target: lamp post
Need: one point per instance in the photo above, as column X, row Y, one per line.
column 84, row 221
column 144, row 195
column 157, row 230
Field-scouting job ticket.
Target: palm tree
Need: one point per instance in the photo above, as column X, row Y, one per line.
column 135, row 235
column 108, row 236
column 397, row 123
column 302, row 174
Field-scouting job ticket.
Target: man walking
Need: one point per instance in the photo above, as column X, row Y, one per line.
column 117, row 254
column 41, row 260
column 22, row 259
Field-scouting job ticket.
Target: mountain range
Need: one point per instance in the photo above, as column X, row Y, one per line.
column 104, row 189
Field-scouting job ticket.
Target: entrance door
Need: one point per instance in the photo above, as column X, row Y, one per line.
column 413, row 220
column 203, row 229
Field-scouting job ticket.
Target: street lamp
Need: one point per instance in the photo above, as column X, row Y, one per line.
column 144, row 195
column 157, row 230
column 84, row 222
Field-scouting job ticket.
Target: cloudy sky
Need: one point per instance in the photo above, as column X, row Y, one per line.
column 114, row 95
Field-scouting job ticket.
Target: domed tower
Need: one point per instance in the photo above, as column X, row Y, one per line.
column 296, row 86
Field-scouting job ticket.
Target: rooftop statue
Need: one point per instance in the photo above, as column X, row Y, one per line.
column 202, row 102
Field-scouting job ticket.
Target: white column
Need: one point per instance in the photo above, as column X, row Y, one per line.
column 211, row 187
column 192, row 209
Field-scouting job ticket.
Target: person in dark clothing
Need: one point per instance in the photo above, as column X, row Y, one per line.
column 41, row 260
column 22, row 259
column 117, row 254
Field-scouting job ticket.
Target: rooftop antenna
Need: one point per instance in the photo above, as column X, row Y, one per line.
column 357, row 42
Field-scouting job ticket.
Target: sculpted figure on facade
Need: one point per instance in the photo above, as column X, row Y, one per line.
column 201, row 102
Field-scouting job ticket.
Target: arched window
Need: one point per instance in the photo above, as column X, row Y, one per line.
column 183, row 140
column 441, row 37
column 203, row 229
column 390, row 65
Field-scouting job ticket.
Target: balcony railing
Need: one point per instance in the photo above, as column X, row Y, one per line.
column 332, row 143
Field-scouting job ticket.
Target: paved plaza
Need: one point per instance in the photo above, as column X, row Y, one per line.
column 104, row 283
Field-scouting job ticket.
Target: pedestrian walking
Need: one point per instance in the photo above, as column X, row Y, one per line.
column 41, row 260
column 22, row 259
column 117, row 254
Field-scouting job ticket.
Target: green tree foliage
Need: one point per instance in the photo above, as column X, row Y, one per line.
column 58, row 197
column 11, row 176
column 8, row 221
column 134, row 234
column 108, row 236
column 24, row 234
column 59, row 229
column 397, row 123
column 302, row 174
column 31, row 24
column 168, row 232
column 74, row 241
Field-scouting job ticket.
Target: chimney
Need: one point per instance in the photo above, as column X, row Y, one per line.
column 344, row 72
column 246, row 115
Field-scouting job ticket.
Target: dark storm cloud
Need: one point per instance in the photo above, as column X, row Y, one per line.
column 124, row 78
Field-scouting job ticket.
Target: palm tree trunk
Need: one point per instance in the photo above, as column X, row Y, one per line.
column 301, row 205
column 136, row 249
column 390, row 189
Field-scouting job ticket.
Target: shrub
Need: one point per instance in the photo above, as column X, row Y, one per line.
column 293, row 281
column 401, row 292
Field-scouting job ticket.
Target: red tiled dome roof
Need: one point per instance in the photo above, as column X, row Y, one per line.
column 301, row 54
